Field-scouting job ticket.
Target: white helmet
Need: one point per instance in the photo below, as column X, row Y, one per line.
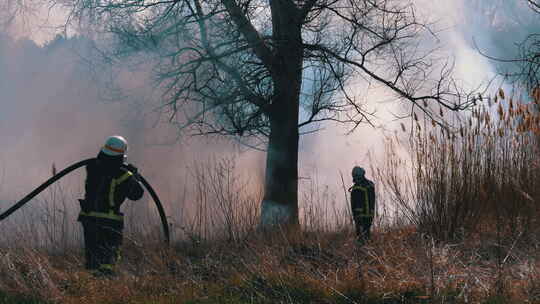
column 115, row 146
column 358, row 172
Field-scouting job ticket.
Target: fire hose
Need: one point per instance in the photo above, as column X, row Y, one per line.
column 75, row 166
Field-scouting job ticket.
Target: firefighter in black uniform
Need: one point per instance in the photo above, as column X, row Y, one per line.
column 108, row 183
column 362, row 203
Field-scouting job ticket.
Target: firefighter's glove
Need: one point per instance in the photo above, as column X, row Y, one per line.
column 133, row 170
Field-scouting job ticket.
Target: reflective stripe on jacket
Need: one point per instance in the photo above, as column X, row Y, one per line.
column 106, row 190
column 112, row 204
column 363, row 199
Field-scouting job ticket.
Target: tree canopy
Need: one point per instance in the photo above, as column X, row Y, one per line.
column 266, row 69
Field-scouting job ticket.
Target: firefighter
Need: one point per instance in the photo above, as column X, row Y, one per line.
column 108, row 183
column 362, row 203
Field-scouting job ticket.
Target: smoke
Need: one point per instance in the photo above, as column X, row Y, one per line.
column 52, row 110
column 466, row 30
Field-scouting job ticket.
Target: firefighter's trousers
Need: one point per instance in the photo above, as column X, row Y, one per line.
column 363, row 227
column 102, row 240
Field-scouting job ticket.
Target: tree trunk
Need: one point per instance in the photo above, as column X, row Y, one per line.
column 280, row 204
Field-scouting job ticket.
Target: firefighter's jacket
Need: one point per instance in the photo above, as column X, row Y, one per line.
column 363, row 198
column 106, row 190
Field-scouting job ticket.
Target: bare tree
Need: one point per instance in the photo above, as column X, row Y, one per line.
column 530, row 56
column 21, row 14
column 535, row 5
column 509, row 24
column 530, row 62
column 10, row 9
column 265, row 70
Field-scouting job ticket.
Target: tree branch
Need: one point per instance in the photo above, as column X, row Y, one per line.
column 256, row 100
column 438, row 96
column 306, row 8
column 250, row 33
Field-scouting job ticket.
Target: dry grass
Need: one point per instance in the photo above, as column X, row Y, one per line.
column 465, row 230
column 483, row 175
column 398, row 266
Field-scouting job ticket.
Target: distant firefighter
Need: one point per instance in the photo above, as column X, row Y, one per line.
column 108, row 183
column 362, row 203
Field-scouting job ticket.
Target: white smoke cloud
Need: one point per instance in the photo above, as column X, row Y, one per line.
column 51, row 110
column 462, row 27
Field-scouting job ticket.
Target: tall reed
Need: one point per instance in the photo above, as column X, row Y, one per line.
column 481, row 175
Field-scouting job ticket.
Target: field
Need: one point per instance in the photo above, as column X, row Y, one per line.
column 397, row 266
column 463, row 228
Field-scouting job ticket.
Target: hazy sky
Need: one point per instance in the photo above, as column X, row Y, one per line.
column 458, row 22
column 51, row 110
